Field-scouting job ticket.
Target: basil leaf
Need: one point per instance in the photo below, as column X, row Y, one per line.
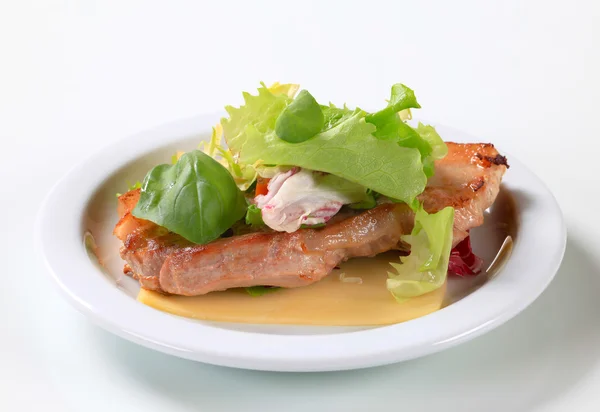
column 196, row 198
column 301, row 120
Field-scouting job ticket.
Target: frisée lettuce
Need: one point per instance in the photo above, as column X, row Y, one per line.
column 426, row 267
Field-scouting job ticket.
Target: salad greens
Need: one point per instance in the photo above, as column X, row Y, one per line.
column 254, row 216
column 195, row 198
column 348, row 150
column 379, row 151
column 334, row 115
column 402, row 98
column 362, row 155
column 425, row 268
column 134, row 186
column 243, row 175
column 390, row 125
column 259, row 113
column 369, row 202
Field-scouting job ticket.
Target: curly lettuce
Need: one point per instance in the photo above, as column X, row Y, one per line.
column 425, row 269
column 391, row 125
column 260, row 112
column 379, row 150
column 243, row 175
column 259, row 109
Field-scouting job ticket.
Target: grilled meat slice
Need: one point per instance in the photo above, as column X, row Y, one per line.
column 468, row 179
column 166, row 262
column 282, row 259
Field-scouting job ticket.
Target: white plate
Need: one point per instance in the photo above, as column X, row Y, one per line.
column 85, row 200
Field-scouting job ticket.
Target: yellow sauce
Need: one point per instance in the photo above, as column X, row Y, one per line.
column 330, row 301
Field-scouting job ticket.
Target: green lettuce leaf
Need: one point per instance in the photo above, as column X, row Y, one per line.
column 244, row 175
column 259, row 112
column 334, row 115
column 369, row 202
column 318, row 225
column 425, row 269
column 391, row 125
column 348, row 150
column 254, row 216
column 402, row 98
column 439, row 150
column 196, row 198
column 382, row 157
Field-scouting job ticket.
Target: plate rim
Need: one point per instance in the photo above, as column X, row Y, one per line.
column 59, row 245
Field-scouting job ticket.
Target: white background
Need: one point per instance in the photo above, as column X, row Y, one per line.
column 75, row 76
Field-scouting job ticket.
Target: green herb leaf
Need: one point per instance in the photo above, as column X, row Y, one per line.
column 260, row 290
column 196, row 198
column 301, row 120
column 317, row 226
column 254, row 216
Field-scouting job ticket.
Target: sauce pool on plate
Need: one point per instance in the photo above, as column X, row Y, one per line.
column 335, row 301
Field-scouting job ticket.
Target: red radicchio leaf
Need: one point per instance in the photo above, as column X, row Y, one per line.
column 463, row 261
